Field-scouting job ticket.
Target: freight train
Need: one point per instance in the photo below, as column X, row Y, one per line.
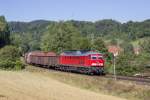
column 82, row 61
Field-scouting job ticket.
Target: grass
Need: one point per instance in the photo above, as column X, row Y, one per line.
column 123, row 89
column 27, row 85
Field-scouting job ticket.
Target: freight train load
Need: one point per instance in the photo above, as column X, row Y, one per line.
column 82, row 61
column 42, row 58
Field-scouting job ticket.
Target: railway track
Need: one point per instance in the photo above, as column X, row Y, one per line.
column 138, row 80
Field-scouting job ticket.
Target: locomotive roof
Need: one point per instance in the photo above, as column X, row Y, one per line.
column 79, row 53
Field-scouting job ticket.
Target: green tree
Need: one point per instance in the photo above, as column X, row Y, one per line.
column 9, row 52
column 4, row 32
column 84, row 43
column 127, row 48
column 10, row 58
column 99, row 45
column 25, row 42
column 114, row 42
column 126, row 64
column 61, row 36
column 145, row 45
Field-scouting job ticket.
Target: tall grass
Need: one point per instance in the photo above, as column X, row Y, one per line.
column 99, row 84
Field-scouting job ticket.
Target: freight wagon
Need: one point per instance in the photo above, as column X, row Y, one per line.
column 42, row 58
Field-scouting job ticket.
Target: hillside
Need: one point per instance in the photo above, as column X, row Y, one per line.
column 31, row 86
column 35, row 32
column 107, row 27
column 33, row 26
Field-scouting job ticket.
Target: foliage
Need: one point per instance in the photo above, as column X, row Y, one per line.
column 9, row 52
column 114, row 42
column 8, row 64
column 61, row 36
column 145, row 45
column 33, row 33
column 106, row 28
column 37, row 26
column 25, row 42
column 126, row 64
column 127, row 48
column 4, row 32
column 19, row 65
column 84, row 43
column 99, row 45
column 9, row 58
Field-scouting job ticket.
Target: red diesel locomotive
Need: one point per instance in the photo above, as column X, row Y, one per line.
column 88, row 62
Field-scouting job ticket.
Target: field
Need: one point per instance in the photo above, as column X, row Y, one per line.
column 26, row 85
column 35, row 83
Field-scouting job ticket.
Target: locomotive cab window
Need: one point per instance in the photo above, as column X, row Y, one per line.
column 93, row 57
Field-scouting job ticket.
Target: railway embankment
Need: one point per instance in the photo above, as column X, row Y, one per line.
column 99, row 84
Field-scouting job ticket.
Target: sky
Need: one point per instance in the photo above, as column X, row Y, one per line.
column 86, row 10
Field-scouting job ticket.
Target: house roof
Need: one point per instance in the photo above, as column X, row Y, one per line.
column 114, row 49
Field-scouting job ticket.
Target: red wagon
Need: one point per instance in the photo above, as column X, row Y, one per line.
column 42, row 58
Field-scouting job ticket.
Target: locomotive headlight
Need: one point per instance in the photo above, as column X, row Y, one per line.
column 97, row 64
column 101, row 64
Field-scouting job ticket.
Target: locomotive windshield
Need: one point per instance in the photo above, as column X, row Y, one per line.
column 96, row 57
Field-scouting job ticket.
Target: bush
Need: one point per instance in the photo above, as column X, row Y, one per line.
column 126, row 64
column 7, row 64
column 108, row 67
column 109, row 63
column 19, row 65
column 9, row 52
column 9, row 58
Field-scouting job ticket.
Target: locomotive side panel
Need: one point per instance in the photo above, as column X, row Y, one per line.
column 77, row 61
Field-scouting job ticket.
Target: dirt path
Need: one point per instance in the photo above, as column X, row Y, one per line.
column 30, row 86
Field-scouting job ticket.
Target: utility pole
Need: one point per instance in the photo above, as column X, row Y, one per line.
column 114, row 67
